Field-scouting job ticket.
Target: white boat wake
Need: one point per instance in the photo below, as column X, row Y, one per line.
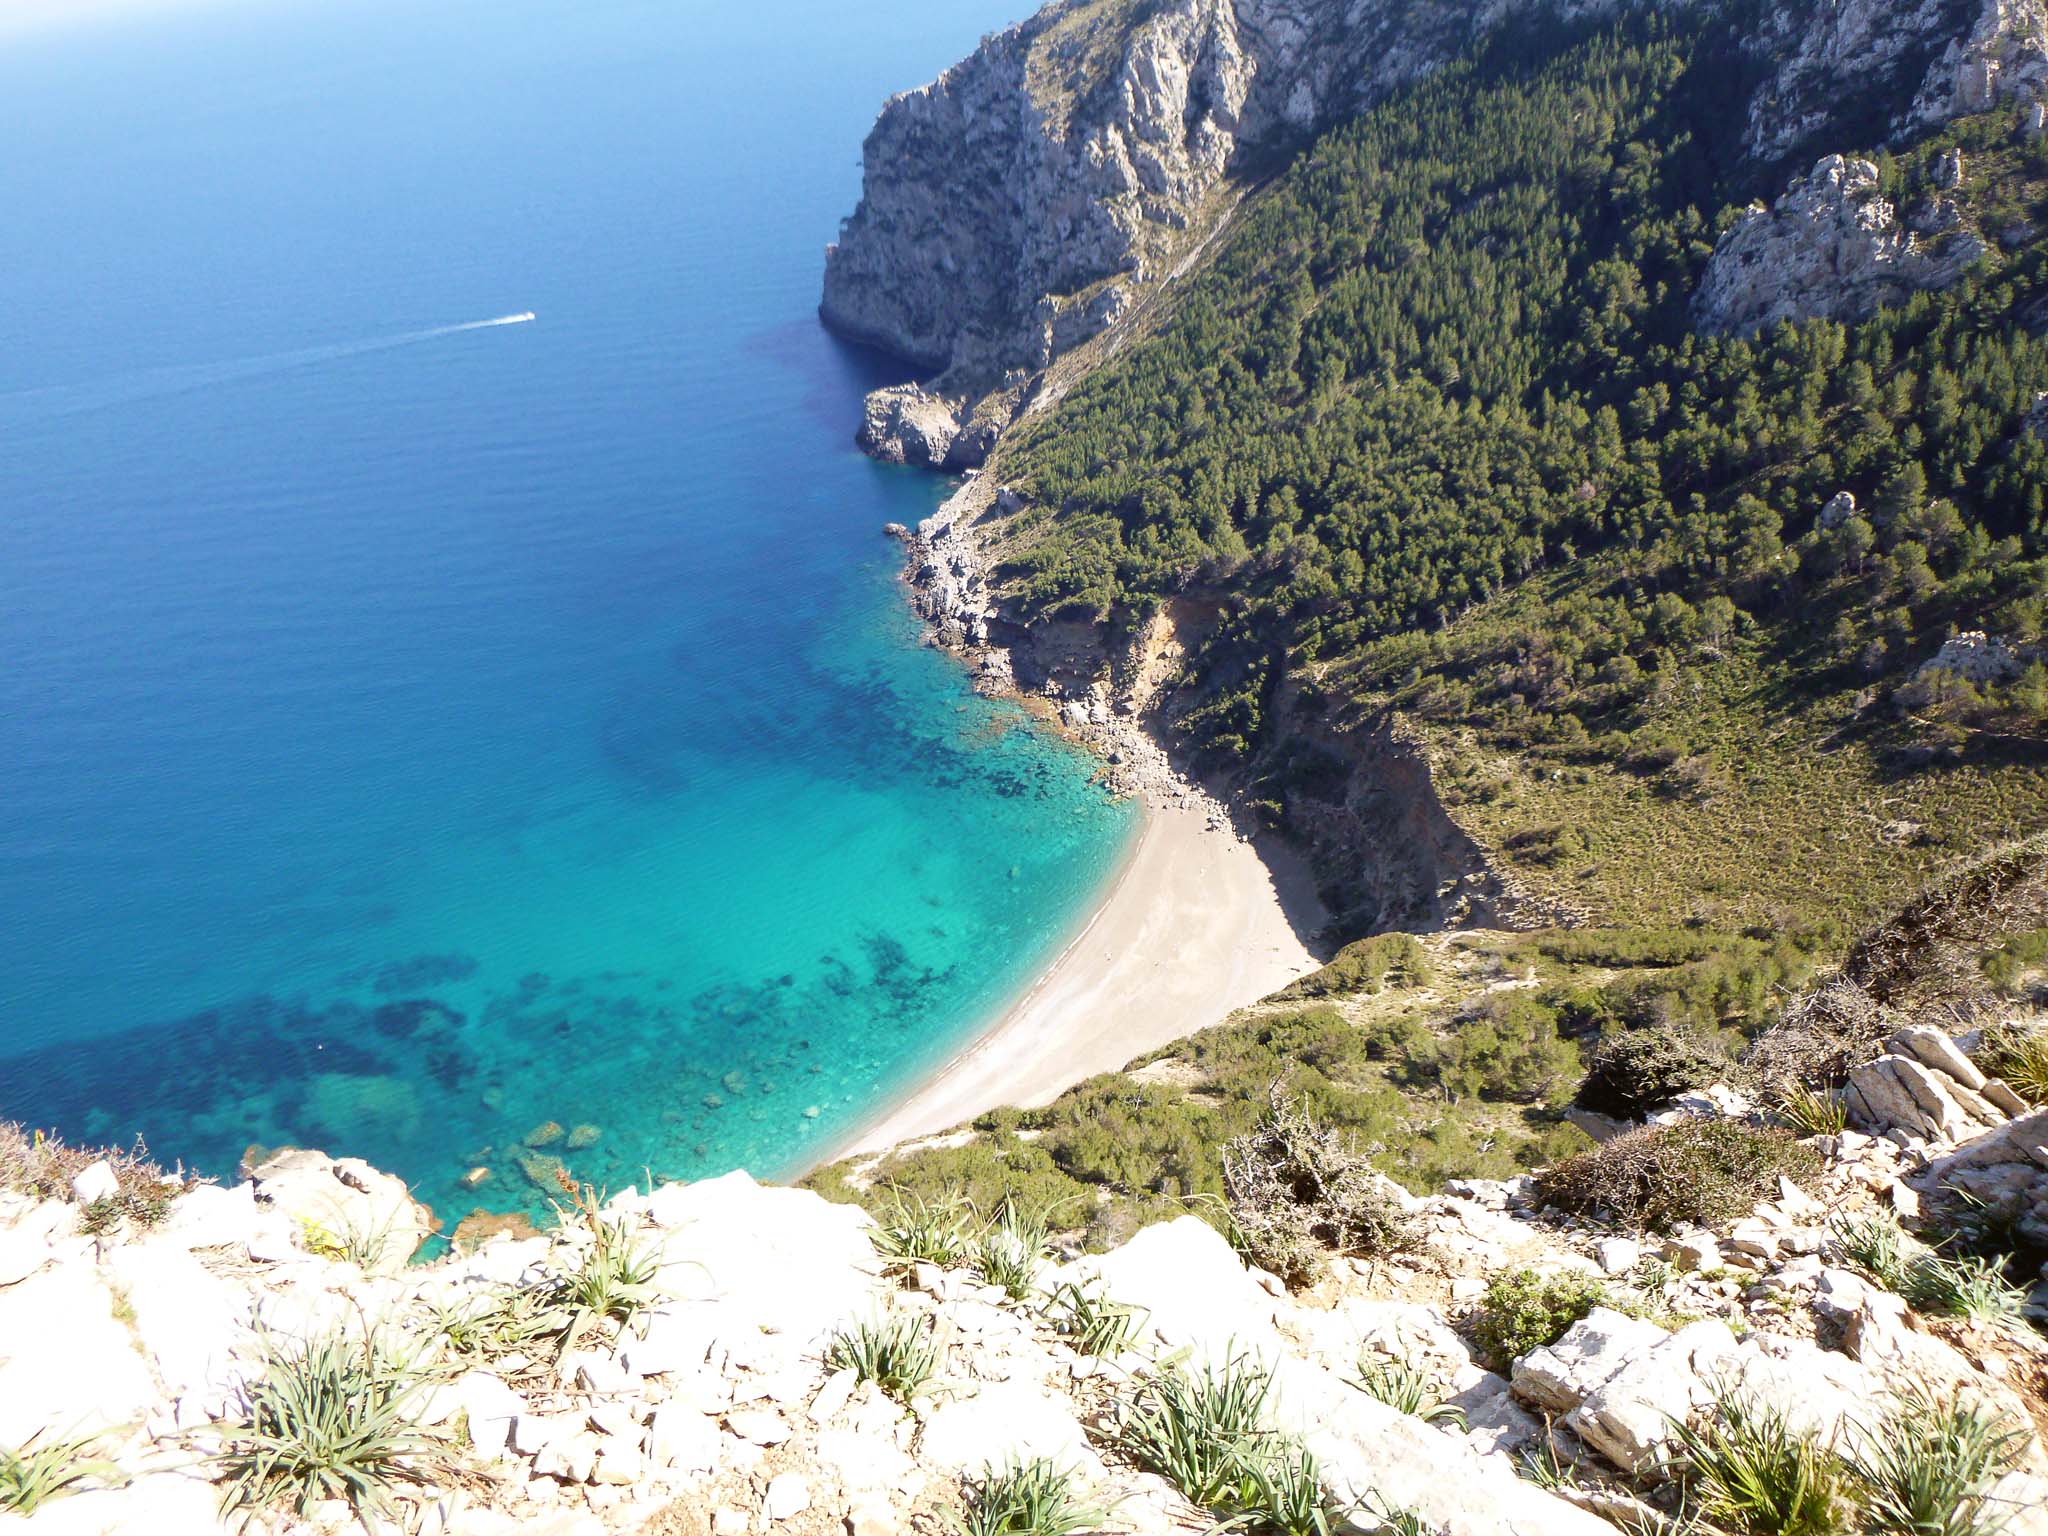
column 51, row 401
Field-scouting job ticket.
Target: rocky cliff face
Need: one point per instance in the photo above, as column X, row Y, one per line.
column 1035, row 194
column 1831, row 246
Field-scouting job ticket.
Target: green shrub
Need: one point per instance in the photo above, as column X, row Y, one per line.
column 332, row 1417
column 898, row 1354
column 1929, row 1469
column 1692, row 1172
column 1753, row 1475
column 1032, row 1498
column 1635, row 1070
column 1522, row 1310
column 1509, row 1049
column 41, row 1470
column 1299, row 1191
column 1366, row 965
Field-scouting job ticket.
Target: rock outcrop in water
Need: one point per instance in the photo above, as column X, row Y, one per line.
column 1037, row 193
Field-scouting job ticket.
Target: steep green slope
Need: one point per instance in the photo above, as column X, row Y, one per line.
column 1435, row 433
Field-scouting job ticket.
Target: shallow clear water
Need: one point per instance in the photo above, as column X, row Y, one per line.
column 410, row 736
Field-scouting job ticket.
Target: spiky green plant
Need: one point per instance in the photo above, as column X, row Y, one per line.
column 1876, row 1245
column 1031, row 1498
column 1753, row 1474
column 331, row 1417
column 1405, row 1387
column 1812, row 1113
column 42, row 1469
column 898, row 1354
column 1543, row 1466
column 1091, row 1322
column 502, row 1322
column 926, row 1229
column 1929, row 1469
column 1280, row 1493
column 1008, row 1253
column 1964, row 1286
column 1200, row 1430
column 1936, row 1283
column 1388, row 1521
column 2017, row 1050
column 616, row 1276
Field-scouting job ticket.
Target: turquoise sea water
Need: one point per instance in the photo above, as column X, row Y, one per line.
column 412, row 735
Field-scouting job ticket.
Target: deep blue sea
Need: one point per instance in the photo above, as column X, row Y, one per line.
column 414, row 732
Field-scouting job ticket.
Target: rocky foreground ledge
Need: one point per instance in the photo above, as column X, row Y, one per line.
column 730, row 1358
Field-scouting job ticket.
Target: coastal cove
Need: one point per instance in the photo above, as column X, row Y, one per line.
column 481, row 746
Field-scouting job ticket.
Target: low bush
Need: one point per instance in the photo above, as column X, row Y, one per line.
column 1032, row 1498
column 1522, row 1310
column 1298, row 1191
column 1693, row 1172
column 1752, row 1474
column 42, row 1166
column 898, row 1354
column 1817, row 1038
column 1930, row 1467
column 1366, row 965
column 333, row 1417
column 1632, row 1071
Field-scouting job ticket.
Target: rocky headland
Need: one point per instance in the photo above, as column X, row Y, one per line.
column 1038, row 195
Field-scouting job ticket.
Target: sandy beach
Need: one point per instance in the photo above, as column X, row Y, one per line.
column 1195, row 925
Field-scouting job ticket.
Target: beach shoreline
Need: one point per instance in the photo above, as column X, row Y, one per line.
column 1196, row 923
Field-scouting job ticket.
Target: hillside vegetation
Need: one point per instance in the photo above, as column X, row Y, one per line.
column 1436, row 433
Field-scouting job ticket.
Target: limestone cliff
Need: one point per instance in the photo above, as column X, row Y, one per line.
column 1033, row 196
column 1831, row 246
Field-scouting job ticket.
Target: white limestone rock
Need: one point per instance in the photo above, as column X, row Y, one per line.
column 1832, row 246
column 347, row 1200
column 1004, row 1422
